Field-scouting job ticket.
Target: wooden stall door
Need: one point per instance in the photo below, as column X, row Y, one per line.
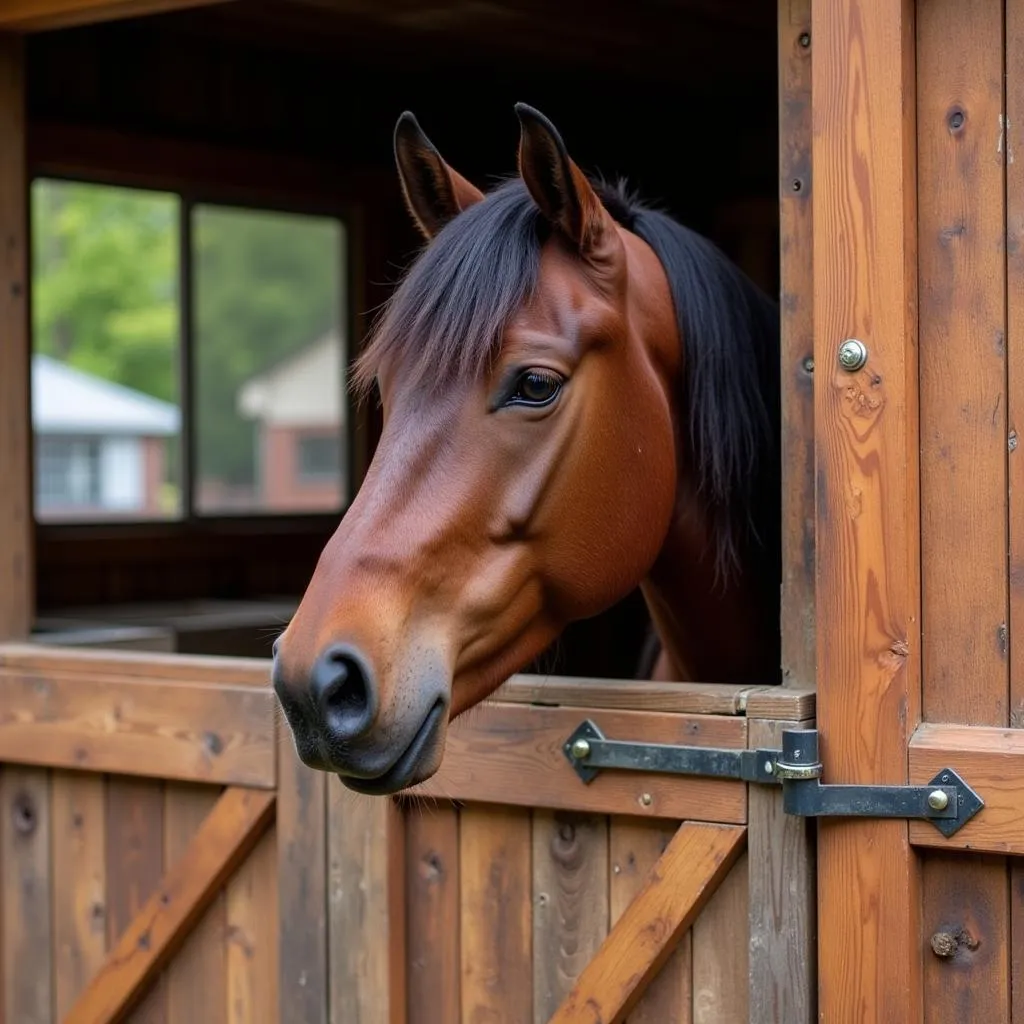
column 918, row 236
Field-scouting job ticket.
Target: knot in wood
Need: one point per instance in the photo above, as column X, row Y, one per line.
column 23, row 814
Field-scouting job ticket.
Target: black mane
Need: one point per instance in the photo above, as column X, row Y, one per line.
column 447, row 318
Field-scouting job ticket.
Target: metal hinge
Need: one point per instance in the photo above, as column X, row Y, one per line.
column 947, row 801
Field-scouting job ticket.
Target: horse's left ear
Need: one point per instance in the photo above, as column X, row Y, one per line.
column 434, row 192
column 557, row 185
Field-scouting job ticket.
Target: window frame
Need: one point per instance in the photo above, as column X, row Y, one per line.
column 197, row 174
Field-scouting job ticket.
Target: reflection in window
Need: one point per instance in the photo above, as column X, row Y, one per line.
column 105, row 318
column 269, row 361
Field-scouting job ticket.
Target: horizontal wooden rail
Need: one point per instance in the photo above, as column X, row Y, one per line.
column 38, row 15
column 191, row 731
column 512, row 754
column 684, row 878
column 991, row 762
column 224, row 840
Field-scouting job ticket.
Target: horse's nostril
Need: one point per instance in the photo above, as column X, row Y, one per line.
column 344, row 693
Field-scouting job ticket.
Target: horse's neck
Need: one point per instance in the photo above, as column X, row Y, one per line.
column 710, row 631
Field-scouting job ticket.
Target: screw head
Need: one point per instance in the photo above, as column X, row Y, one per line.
column 580, row 748
column 646, row 799
column 853, row 354
column 938, row 800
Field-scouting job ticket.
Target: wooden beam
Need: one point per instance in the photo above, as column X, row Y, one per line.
column 681, row 882
column 867, row 477
column 17, row 591
column 187, row 731
column 44, row 15
column 512, row 754
column 991, row 761
column 225, row 838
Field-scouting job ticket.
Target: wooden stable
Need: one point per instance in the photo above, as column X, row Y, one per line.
column 164, row 857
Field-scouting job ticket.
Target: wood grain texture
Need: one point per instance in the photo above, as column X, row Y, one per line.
column 135, row 863
column 45, row 15
column 25, row 896
column 720, row 962
column 991, row 761
column 1016, row 942
column 495, row 944
column 196, row 976
column 634, row 849
column 781, row 703
column 432, row 912
column 965, row 898
column 17, row 590
column 252, row 926
column 782, row 900
column 189, row 731
column 796, row 312
column 366, row 912
column 303, row 971
column 570, row 902
column 156, row 931
column 694, row 863
column 512, row 754
column 867, row 495
column 78, row 826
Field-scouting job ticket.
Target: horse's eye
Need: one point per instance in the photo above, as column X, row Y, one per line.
column 536, row 388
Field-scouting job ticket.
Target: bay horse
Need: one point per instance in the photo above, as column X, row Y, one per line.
column 579, row 397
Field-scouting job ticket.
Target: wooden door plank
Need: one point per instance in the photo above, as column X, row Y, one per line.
column 302, row 888
column 720, row 963
column 252, row 927
column 680, row 884
column 796, row 322
column 44, row 15
column 634, row 848
column 782, row 923
column 17, row 587
column 432, row 912
column 79, row 883
column 25, row 896
column 570, row 902
column 157, row 930
column 512, row 754
column 191, row 731
column 195, row 977
column 867, row 514
column 366, row 893
column 495, row 946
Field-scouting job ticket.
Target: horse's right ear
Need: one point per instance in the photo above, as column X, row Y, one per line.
column 434, row 192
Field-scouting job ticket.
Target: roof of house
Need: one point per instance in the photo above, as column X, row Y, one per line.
column 68, row 401
column 307, row 389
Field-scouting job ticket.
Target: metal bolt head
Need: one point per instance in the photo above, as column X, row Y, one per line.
column 580, row 748
column 853, row 354
column 938, row 800
column 646, row 799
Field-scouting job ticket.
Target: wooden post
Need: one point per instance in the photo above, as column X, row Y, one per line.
column 16, row 583
column 868, row 518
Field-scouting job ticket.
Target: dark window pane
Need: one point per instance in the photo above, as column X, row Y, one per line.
column 269, row 361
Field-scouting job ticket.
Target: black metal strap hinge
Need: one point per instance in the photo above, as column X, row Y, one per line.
column 948, row 802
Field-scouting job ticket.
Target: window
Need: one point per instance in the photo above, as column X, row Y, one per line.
column 154, row 401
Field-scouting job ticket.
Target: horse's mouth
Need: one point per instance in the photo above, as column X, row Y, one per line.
column 402, row 773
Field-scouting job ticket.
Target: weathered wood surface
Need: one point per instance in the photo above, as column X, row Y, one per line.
column 208, row 732
column 512, row 754
column 782, row 899
column 634, row 848
column 366, row 901
column 17, row 588
column 162, row 923
column 570, row 902
column 867, row 510
column 677, row 889
column 495, row 915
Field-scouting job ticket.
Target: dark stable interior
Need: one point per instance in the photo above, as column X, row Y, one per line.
column 681, row 99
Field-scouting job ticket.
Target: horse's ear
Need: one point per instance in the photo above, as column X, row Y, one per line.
column 433, row 191
column 557, row 185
